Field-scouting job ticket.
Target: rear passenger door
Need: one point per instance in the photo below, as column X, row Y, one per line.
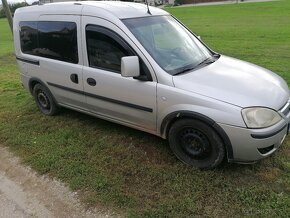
column 60, row 57
column 126, row 100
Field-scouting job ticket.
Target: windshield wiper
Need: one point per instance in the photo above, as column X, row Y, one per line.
column 183, row 70
column 216, row 55
column 206, row 61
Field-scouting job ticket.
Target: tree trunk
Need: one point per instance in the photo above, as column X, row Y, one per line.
column 8, row 14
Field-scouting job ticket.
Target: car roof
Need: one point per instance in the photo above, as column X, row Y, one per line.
column 125, row 9
column 117, row 9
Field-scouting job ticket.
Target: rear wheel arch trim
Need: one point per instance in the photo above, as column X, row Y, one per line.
column 33, row 81
column 172, row 117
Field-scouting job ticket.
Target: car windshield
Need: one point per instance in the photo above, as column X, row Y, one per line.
column 173, row 47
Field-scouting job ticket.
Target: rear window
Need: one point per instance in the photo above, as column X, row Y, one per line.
column 51, row 39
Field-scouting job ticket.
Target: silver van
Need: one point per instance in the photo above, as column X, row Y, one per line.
column 144, row 69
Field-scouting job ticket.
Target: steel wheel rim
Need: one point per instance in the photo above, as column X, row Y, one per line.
column 194, row 143
column 43, row 100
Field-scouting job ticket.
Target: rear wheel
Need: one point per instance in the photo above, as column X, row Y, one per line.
column 196, row 143
column 44, row 100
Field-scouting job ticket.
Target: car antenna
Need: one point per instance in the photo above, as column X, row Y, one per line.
column 148, row 11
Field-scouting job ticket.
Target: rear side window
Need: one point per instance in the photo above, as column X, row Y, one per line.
column 58, row 40
column 51, row 39
column 28, row 37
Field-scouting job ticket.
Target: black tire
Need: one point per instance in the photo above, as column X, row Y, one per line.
column 196, row 144
column 44, row 100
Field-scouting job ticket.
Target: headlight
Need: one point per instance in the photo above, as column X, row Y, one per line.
column 258, row 117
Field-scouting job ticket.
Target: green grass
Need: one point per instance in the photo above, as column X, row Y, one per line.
column 6, row 40
column 135, row 173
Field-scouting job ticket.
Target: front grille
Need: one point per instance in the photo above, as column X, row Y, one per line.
column 266, row 149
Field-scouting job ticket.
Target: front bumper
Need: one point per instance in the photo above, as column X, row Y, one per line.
column 250, row 145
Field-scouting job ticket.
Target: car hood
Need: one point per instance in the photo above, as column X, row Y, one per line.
column 236, row 82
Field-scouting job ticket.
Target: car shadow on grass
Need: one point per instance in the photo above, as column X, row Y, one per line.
column 147, row 142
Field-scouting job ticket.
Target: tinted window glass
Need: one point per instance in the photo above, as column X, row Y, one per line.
column 104, row 52
column 28, row 37
column 58, row 40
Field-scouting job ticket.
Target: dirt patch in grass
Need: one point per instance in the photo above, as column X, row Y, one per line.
column 25, row 194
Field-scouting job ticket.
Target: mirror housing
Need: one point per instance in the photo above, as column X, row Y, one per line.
column 130, row 66
column 199, row 37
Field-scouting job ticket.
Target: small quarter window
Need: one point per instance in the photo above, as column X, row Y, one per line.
column 28, row 37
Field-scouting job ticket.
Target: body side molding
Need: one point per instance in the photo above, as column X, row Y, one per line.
column 115, row 101
column 28, row 60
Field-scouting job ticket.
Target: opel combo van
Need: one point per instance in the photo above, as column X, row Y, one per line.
column 144, row 69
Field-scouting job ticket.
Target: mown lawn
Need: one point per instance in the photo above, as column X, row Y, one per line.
column 135, row 173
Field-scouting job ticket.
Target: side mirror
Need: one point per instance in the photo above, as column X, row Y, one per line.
column 130, row 66
column 199, row 37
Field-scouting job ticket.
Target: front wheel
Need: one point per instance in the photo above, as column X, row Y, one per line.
column 196, row 144
column 44, row 100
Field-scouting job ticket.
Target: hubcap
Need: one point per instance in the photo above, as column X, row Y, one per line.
column 194, row 143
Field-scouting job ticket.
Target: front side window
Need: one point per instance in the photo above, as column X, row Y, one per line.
column 170, row 44
column 104, row 52
column 51, row 39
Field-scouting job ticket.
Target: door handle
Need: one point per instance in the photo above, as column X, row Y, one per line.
column 74, row 78
column 91, row 82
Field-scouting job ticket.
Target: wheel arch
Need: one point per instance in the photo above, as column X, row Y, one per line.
column 174, row 116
